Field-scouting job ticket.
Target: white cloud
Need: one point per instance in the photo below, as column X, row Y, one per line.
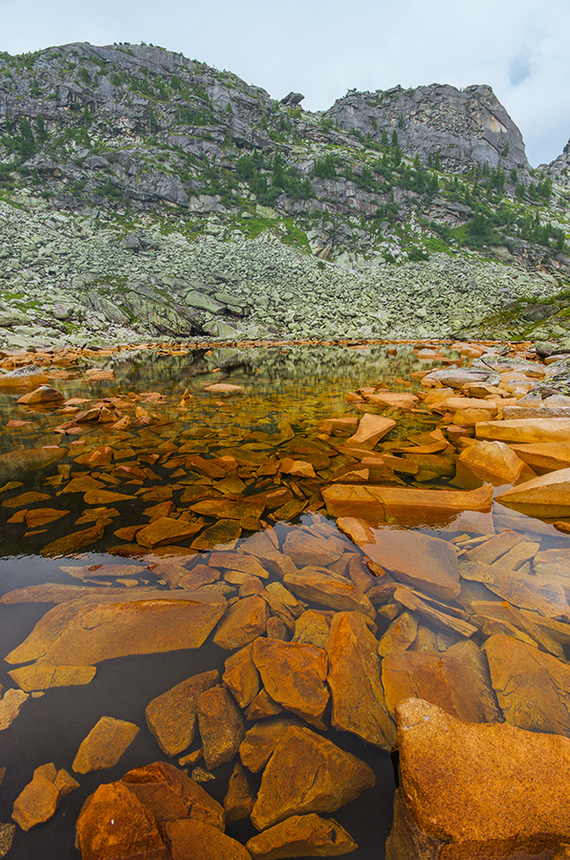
column 324, row 48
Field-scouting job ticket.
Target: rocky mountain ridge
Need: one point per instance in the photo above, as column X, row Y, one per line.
column 161, row 197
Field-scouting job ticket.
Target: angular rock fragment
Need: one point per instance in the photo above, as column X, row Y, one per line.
column 487, row 462
column 172, row 716
column 259, row 742
column 546, row 496
column 241, row 676
column 239, row 799
column 10, row 705
column 371, row 428
column 104, row 745
column 328, row 778
column 525, row 430
column 40, row 798
column 358, row 703
column 320, row 585
column 399, row 635
column 221, row 726
column 294, row 675
column 190, row 838
column 302, row 836
column 243, row 622
column 312, row 549
column 43, row 677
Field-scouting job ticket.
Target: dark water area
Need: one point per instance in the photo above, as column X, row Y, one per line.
column 242, row 440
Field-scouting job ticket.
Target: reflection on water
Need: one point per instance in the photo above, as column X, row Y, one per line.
column 144, row 484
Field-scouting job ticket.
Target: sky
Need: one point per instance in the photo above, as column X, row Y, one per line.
column 322, row 48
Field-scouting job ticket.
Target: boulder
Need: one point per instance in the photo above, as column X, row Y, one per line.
column 307, row 773
column 15, row 464
column 320, row 585
column 189, row 838
column 306, row 548
column 104, row 745
column 302, row 836
column 243, row 622
column 487, row 462
column 475, row 791
column 239, row 799
column 40, row 798
column 172, row 716
column 409, row 506
column 114, row 823
column 221, row 726
column 45, row 395
column 533, row 688
column 87, row 631
column 358, row 703
column 545, row 496
column 259, row 742
column 294, row 675
column 371, row 428
column 41, row 676
column 525, row 430
column 241, row 676
column 457, row 681
column 399, row 635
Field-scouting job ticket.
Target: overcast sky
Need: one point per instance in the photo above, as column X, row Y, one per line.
column 324, row 47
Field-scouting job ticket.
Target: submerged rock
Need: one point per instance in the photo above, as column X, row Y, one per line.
column 104, row 745
column 546, row 496
column 221, row 726
column 190, row 838
column 307, row 773
column 302, row 836
column 172, row 716
column 40, row 798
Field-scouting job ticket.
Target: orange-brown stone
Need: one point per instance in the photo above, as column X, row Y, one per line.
column 189, row 838
column 243, row 622
column 221, row 726
column 546, row 496
column 302, row 836
column 172, row 716
column 104, row 745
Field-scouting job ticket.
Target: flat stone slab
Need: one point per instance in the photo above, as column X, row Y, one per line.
column 545, row 496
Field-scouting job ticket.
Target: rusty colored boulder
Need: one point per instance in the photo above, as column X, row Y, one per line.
column 40, row 798
column 302, row 836
column 261, row 739
column 189, row 838
column 243, row 622
column 239, row 799
column 371, row 428
column 172, row 716
column 545, row 496
column 474, row 791
column 104, row 745
column 487, row 462
column 358, row 703
column 221, row 726
column 294, row 675
column 321, row 585
column 241, row 676
column 525, row 430
column 307, row 773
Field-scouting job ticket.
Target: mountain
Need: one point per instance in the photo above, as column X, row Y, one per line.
column 145, row 194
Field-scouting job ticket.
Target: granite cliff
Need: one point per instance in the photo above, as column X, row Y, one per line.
column 143, row 194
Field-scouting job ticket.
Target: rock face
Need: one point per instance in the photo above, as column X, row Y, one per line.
column 501, row 774
column 307, row 773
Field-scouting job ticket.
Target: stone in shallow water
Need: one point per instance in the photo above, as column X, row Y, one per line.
column 328, row 778
column 241, row 676
column 114, row 823
column 474, row 791
column 294, row 675
column 525, row 430
column 40, row 798
column 319, row 585
column 188, row 838
column 302, row 836
column 492, row 462
column 43, row 677
column 399, row 635
column 313, row 628
column 45, row 395
column 371, row 428
column 165, row 530
column 170, row 794
column 239, row 799
column 257, row 747
column 221, row 726
column 424, row 562
column 409, row 505
column 85, row 632
column 243, row 622
column 15, row 464
column 71, row 543
column 308, row 549
column 104, row 745
column 546, row 496
column 457, row 681
column 10, row 705
column 533, row 688
column 172, row 716
column 358, row 703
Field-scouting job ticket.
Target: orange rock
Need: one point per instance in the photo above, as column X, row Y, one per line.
column 172, row 716
column 257, row 747
column 297, row 468
column 221, row 726
column 191, row 838
column 71, row 543
column 457, row 681
column 14, row 464
column 399, row 636
column 320, row 585
column 306, row 548
column 239, row 799
column 546, row 496
column 114, row 823
column 43, row 516
column 90, row 630
column 544, row 456
column 165, row 530
column 302, row 836
column 40, row 798
column 104, row 745
column 313, row 627
column 170, row 794
column 100, row 456
column 409, row 505
column 228, row 509
column 42, row 677
column 487, row 462
column 242, row 623
column 371, row 429
column 223, row 388
column 45, row 395
column 223, row 533
column 393, row 399
column 294, row 674
column 358, row 704
column 82, row 485
column 525, row 430
column 198, row 576
column 328, row 779
column 476, row 790
column 238, row 561
column 241, row 676
column 25, row 499
column 262, row 706
column 23, row 377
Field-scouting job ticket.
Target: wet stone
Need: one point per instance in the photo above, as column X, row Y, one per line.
column 104, row 745
column 239, row 799
column 262, row 738
column 241, row 676
column 40, row 798
column 242, row 623
column 320, row 585
column 172, row 716
column 302, row 836
column 190, row 838
column 221, row 726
